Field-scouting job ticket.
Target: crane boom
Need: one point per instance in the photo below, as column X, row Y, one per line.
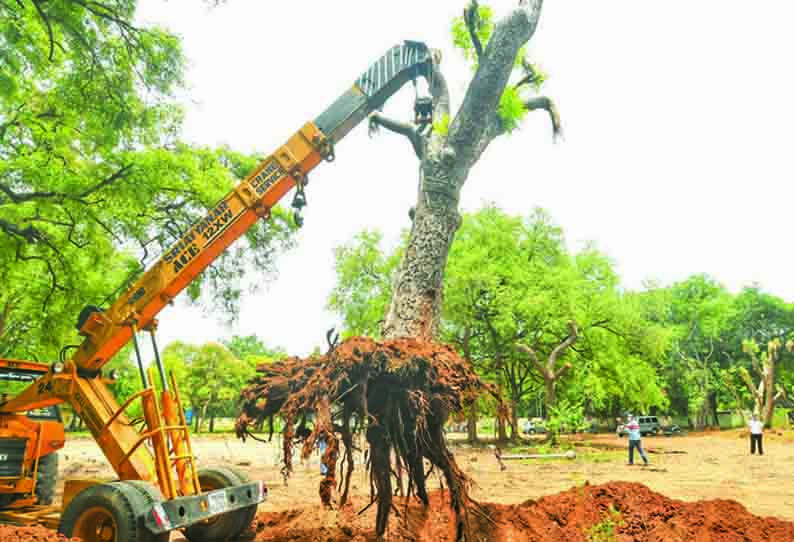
column 108, row 331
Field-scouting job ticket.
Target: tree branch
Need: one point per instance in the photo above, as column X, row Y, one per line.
column 749, row 383
column 562, row 370
column 406, row 129
column 121, row 173
column 29, row 234
column 546, row 104
column 471, row 16
column 49, row 28
column 571, row 339
column 533, row 357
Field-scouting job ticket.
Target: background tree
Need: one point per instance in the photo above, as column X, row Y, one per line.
column 364, row 274
column 210, row 378
column 493, row 105
column 765, row 393
column 252, row 349
column 94, row 180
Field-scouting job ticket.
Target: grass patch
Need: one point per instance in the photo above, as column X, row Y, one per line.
column 606, row 529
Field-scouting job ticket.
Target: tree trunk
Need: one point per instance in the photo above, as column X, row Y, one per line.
column 501, row 429
column 551, row 393
column 471, row 425
column 212, row 422
column 415, row 307
column 514, row 429
column 769, row 381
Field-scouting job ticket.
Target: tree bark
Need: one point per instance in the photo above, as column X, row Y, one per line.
column 471, row 425
column 514, row 429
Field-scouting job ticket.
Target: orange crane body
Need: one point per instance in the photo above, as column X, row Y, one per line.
column 204, row 506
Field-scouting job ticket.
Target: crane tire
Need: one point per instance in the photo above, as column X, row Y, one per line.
column 243, row 478
column 111, row 511
column 225, row 526
column 46, row 478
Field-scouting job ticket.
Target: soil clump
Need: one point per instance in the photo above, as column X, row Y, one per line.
column 645, row 516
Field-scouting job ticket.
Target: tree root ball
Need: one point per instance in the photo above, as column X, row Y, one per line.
column 400, row 393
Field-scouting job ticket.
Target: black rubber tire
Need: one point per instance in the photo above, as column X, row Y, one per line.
column 223, row 527
column 243, row 478
column 151, row 494
column 122, row 502
column 47, row 478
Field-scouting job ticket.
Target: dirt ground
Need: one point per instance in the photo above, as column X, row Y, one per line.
column 713, row 466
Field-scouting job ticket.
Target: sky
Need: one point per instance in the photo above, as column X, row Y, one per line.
column 677, row 120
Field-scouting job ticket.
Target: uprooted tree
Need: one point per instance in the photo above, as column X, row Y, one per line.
column 402, row 391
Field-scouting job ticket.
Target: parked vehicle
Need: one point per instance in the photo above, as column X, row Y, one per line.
column 673, row 431
column 532, row 428
column 649, row 425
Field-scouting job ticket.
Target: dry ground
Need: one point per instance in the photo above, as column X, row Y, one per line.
column 714, row 465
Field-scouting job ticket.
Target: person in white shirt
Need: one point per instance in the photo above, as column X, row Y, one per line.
column 756, row 435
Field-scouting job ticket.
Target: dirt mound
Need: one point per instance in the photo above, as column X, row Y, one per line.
column 645, row 516
column 11, row 533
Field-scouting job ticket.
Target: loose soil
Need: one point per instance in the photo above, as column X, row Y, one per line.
column 10, row 533
column 645, row 516
column 715, row 466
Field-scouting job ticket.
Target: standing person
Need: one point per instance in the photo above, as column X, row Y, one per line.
column 756, row 435
column 635, row 440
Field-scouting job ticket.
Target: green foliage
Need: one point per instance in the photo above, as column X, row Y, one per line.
column 363, row 288
column 606, row 529
column 441, row 126
column 565, row 416
column 94, row 181
column 462, row 39
column 511, row 109
column 251, row 348
column 209, row 376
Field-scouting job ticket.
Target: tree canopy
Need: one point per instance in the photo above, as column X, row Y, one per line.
column 95, row 181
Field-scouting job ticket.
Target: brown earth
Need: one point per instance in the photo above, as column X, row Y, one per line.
column 714, row 466
column 645, row 516
column 10, row 533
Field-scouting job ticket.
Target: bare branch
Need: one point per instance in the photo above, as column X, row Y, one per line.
column 121, row 173
column 20, row 198
column 471, row 16
column 49, row 28
column 29, row 234
column 406, row 129
column 560, row 348
column 546, row 104
column 562, row 370
column 438, row 88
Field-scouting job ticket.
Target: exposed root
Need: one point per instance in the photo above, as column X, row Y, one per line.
column 401, row 392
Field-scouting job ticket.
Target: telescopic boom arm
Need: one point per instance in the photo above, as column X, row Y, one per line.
column 107, row 331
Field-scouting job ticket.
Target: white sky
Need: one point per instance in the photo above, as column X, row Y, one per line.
column 677, row 119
